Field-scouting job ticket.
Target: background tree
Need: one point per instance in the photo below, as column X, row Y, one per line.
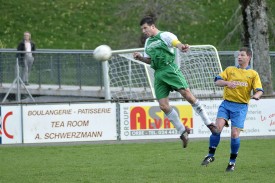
column 255, row 35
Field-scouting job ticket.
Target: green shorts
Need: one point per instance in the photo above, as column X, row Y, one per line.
column 168, row 79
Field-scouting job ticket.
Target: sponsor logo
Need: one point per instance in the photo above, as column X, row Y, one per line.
column 150, row 120
column 3, row 129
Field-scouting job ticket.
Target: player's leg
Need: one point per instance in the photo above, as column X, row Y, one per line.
column 214, row 139
column 234, row 146
column 171, row 114
column 238, row 116
column 173, row 117
column 174, row 78
column 197, row 106
column 162, row 90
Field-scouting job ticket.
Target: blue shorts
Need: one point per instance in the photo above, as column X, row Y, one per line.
column 236, row 112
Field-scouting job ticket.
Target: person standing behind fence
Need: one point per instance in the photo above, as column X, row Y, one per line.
column 26, row 59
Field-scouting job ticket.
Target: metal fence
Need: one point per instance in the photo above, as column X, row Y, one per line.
column 54, row 72
column 55, row 67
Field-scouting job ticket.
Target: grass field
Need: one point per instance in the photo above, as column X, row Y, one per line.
column 137, row 162
column 83, row 24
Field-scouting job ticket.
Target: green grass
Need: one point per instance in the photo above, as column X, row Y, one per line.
column 84, row 24
column 137, row 162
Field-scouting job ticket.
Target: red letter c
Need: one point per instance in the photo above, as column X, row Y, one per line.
column 4, row 125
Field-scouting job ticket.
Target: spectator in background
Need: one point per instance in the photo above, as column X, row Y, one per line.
column 26, row 59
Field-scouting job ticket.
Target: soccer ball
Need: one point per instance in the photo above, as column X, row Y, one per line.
column 102, row 53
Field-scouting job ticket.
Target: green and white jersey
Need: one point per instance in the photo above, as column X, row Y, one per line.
column 160, row 49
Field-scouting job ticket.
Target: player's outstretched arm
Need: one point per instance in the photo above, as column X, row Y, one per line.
column 182, row 47
column 138, row 56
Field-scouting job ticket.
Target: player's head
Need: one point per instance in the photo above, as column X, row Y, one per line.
column 244, row 56
column 148, row 26
column 150, row 20
column 246, row 50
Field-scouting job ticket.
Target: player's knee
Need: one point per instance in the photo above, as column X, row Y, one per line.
column 187, row 94
column 234, row 135
column 235, row 132
column 165, row 108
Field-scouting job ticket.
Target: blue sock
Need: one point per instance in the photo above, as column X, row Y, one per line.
column 235, row 145
column 214, row 141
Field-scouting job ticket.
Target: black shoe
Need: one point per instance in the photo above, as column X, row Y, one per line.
column 230, row 167
column 207, row 160
column 184, row 137
column 213, row 128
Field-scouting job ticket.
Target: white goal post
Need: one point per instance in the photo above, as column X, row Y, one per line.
column 130, row 79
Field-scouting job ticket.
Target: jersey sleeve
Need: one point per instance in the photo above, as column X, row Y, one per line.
column 222, row 75
column 144, row 53
column 169, row 38
column 257, row 84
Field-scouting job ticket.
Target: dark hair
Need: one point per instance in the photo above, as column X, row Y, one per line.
column 149, row 19
column 247, row 50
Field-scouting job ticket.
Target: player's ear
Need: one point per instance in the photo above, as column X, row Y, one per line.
column 249, row 58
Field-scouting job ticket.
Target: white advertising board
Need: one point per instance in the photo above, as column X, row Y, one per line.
column 260, row 119
column 147, row 121
column 69, row 122
column 10, row 125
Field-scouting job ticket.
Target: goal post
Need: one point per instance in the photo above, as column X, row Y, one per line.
column 200, row 65
column 130, row 79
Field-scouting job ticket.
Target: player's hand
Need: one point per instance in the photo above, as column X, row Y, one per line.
column 184, row 47
column 231, row 84
column 137, row 55
column 255, row 97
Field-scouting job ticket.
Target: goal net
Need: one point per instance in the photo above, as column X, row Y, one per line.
column 134, row 80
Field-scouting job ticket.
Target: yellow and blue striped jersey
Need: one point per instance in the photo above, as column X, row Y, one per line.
column 245, row 79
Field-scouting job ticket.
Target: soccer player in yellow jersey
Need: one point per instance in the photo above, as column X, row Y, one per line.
column 159, row 53
column 238, row 82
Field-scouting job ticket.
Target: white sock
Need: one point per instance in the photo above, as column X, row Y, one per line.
column 201, row 111
column 175, row 120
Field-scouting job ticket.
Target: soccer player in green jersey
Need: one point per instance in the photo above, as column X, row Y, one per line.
column 238, row 82
column 159, row 53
